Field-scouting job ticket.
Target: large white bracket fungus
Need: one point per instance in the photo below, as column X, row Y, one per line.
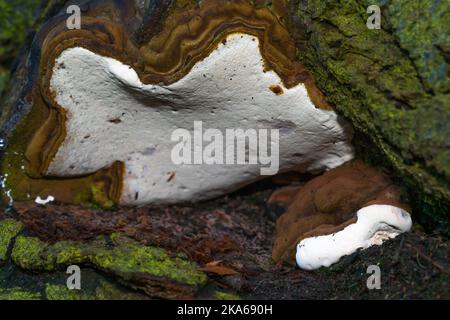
column 375, row 224
column 113, row 116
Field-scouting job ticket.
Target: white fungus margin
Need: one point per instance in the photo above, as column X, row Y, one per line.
column 375, row 224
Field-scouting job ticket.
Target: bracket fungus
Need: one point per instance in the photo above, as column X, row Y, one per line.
column 374, row 224
column 93, row 123
column 346, row 209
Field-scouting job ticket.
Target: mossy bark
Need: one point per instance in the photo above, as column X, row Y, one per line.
column 18, row 294
column 150, row 269
column 392, row 83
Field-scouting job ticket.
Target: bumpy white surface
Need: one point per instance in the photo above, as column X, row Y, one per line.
column 375, row 224
column 227, row 89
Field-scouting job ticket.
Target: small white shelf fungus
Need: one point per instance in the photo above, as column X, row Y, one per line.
column 375, row 224
column 112, row 115
column 49, row 199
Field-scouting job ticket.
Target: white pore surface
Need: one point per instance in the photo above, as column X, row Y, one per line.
column 227, row 89
column 375, row 224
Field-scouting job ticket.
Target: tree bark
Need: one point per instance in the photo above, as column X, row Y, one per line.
column 392, row 83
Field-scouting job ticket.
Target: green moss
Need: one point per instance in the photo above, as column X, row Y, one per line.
column 18, row 294
column 219, row 295
column 15, row 18
column 82, row 190
column 9, row 228
column 108, row 291
column 421, row 28
column 125, row 257
column 60, row 292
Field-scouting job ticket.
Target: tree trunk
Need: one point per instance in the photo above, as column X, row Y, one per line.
column 392, row 83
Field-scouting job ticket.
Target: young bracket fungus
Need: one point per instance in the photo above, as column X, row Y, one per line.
column 348, row 208
column 106, row 99
column 375, row 224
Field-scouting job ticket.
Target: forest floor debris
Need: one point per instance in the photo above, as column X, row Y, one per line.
column 231, row 240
